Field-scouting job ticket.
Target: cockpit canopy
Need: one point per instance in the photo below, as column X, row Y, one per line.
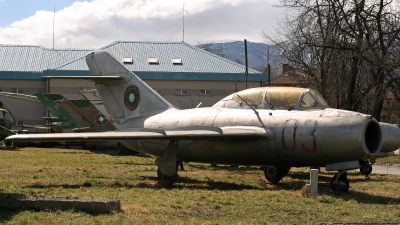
column 290, row 98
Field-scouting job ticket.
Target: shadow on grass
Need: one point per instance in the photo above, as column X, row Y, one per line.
column 134, row 164
column 223, row 167
column 9, row 149
column 65, row 186
column 80, row 152
column 7, row 215
column 295, row 181
column 151, row 182
column 358, row 196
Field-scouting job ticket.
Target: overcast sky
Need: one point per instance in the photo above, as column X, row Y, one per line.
column 96, row 23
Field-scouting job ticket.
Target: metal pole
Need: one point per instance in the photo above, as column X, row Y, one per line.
column 54, row 15
column 183, row 23
column 246, row 60
column 269, row 70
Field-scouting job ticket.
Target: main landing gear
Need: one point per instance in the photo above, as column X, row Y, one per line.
column 340, row 182
column 167, row 165
column 274, row 174
column 366, row 167
column 165, row 180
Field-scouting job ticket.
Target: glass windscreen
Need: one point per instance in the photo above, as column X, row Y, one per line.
column 252, row 96
column 319, row 98
column 286, row 97
column 308, row 101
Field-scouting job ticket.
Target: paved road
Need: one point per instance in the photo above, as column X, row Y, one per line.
column 382, row 169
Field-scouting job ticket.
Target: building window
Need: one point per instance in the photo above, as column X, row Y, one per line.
column 181, row 92
column 152, row 60
column 127, row 60
column 176, row 61
column 160, row 92
column 205, row 92
column 18, row 90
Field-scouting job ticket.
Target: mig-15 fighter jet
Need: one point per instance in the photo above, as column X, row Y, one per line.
column 271, row 127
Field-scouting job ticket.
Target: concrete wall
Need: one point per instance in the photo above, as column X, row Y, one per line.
column 29, row 86
column 219, row 90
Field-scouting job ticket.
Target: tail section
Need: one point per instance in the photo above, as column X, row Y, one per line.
column 79, row 113
column 51, row 103
column 93, row 97
column 127, row 97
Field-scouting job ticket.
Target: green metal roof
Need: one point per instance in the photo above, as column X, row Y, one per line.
column 30, row 58
column 194, row 60
column 33, row 62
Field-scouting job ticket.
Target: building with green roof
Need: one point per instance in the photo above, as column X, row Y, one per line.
column 184, row 74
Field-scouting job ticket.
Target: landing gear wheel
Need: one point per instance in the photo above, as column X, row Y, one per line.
column 274, row 174
column 8, row 143
column 366, row 170
column 165, row 180
column 340, row 182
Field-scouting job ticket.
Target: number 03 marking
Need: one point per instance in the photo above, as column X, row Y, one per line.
column 290, row 130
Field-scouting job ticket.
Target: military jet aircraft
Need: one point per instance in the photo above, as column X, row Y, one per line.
column 276, row 128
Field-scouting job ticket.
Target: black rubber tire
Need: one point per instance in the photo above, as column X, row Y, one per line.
column 274, row 174
column 165, row 180
column 8, row 143
column 366, row 170
column 342, row 184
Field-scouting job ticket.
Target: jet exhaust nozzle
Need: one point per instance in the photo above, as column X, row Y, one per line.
column 372, row 136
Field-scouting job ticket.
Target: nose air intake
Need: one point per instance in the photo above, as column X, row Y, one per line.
column 373, row 137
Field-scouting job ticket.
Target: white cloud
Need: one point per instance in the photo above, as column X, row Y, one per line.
column 100, row 22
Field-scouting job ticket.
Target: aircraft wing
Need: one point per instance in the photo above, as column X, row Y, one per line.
column 6, row 131
column 190, row 133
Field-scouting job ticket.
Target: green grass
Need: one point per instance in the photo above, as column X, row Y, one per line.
column 393, row 160
column 202, row 195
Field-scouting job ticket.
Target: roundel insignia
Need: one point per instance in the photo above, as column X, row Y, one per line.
column 131, row 97
column 100, row 120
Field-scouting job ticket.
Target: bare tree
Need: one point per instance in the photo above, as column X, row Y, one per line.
column 349, row 47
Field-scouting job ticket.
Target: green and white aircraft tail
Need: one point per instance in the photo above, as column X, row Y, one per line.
column 78, row 114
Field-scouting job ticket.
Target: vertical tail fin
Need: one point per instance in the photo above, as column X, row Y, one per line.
column 51, row 103
column 127, row 97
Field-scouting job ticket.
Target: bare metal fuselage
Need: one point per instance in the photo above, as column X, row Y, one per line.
column 301, row 138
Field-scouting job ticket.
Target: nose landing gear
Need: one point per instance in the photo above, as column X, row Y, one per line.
column 275, row 173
